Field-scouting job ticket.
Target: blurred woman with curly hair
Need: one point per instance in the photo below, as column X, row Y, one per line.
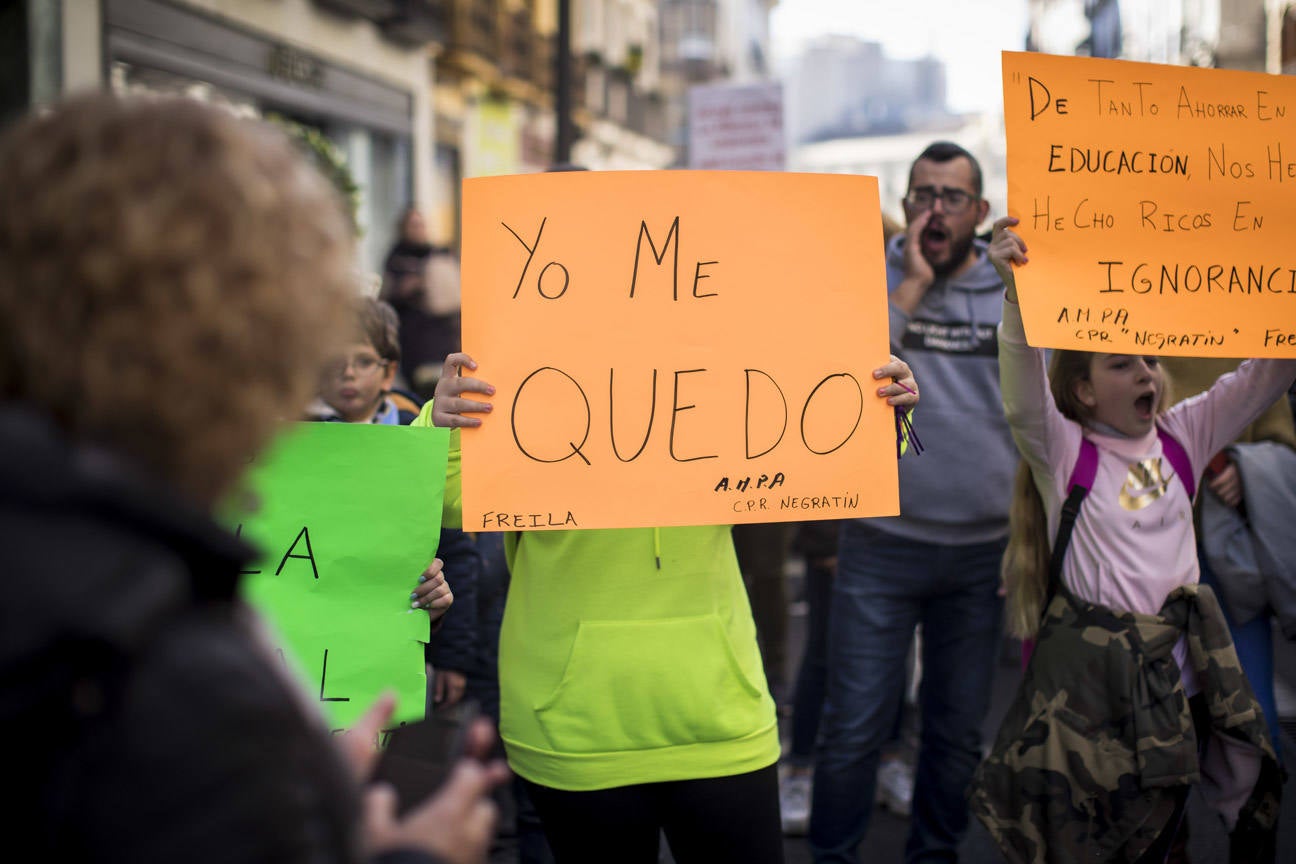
column 171, row 278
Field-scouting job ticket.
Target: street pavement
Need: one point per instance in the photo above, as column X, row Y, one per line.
column 884, row 842
column 1208, row 841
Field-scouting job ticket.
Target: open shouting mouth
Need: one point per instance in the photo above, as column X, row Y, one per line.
column 935, row 238
column 1145, row 405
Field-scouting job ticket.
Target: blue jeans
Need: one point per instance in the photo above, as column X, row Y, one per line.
column 1253, row 642
column 812, row 680
column 885, row 586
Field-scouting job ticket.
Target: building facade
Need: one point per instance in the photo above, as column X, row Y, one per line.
column 415, row 94
column 704, row 42
column 1251, row 35
column 362, row 82
column 1280, row 37
column 841, row 86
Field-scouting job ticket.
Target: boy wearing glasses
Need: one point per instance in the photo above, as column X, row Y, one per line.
column 357, row 383
column 937, row 564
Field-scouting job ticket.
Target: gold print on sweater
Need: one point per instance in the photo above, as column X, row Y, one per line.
column 1143, row 485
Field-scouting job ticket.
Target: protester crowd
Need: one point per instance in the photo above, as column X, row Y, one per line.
column 175, row 286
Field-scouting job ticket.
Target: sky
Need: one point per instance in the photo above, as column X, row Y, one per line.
column 967, row 34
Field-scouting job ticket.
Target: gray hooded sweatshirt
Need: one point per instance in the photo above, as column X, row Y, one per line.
column 958, row 490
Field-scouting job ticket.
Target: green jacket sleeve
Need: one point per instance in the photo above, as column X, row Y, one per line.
column 452, row 504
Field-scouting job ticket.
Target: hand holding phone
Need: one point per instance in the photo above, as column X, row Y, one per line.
column 420, row 756
column 437, row 794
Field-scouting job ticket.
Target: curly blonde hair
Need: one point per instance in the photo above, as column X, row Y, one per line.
column 171, row 278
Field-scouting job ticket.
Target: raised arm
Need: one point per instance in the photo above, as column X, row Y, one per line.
column 1044, row 437
column 449, row 408
column 1210, row 421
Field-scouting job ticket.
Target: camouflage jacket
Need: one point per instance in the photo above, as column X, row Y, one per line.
column 1099, row 743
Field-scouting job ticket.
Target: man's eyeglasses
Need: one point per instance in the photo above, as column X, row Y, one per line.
column 925, row 198
column 363, row 364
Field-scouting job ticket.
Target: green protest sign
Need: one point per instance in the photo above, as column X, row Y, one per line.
column 347, row 517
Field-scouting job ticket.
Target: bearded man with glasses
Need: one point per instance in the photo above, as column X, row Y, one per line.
column 936, row 564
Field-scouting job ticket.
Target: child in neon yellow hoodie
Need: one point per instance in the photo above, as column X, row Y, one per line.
column 632, row 696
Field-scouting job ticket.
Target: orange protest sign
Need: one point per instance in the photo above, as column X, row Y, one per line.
column 1156, row 203
column 675, row 348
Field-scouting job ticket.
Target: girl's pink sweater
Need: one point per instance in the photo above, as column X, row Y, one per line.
column 1134, row 541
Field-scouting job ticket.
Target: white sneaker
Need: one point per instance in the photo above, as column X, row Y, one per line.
column 895, row 786
column 794, row 803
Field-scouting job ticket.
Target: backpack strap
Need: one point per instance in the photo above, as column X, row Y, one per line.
column 1177, row 456
column 1082, row 478
column 1078, row 486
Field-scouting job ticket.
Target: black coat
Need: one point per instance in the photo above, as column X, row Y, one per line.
column 146, row 721
column 425, row 338
column 454, row 644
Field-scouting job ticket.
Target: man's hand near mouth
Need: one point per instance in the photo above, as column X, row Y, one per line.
column 918, row 273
